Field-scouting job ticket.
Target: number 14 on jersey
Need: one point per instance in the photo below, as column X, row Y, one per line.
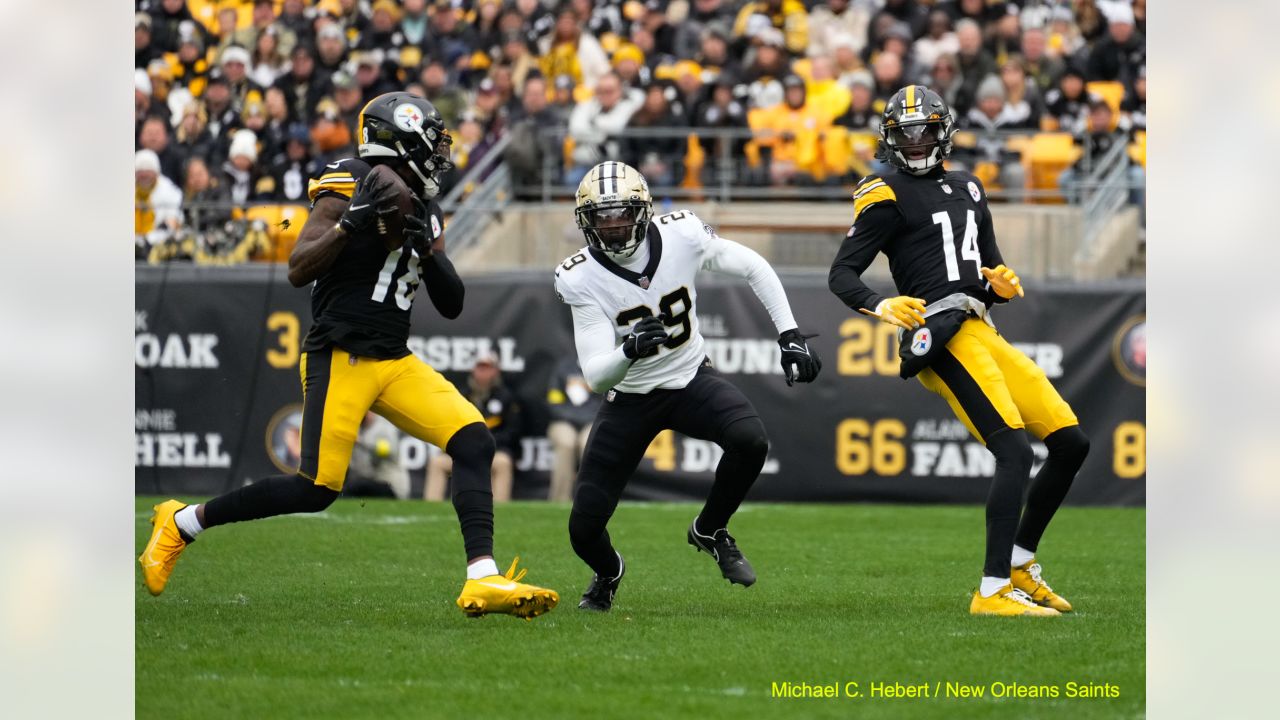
column 968, row 245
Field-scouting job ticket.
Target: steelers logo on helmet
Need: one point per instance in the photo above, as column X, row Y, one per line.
column 916, row 130
column 614, row 208
column 408, row 117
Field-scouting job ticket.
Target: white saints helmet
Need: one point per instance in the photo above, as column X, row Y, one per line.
column 614, row 209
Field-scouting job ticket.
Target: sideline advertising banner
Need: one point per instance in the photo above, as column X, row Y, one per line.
column 218, row 398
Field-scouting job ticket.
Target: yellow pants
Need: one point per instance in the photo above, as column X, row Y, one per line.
column 990, row 385
column 339, row 389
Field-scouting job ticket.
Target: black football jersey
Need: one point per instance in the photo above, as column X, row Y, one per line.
column 363, row 301
column 935, row 229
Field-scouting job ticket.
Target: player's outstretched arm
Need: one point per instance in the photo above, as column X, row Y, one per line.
column 800, row 362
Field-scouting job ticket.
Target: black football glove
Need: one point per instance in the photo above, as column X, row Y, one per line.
column 369, row 202
column 415, row 229
column 644, row 339
column 800, row 363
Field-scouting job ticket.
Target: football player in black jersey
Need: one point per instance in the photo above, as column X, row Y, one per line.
column 355, row 355
column 935, row 228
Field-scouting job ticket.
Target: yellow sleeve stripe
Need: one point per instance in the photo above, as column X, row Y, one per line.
column 866, row 188
column 337, row 176
column 873, row 195
column 315, row 187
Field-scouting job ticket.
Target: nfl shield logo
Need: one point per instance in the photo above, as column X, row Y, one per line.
column 644, row 282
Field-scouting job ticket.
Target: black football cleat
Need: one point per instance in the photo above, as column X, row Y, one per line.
column 599, row 594
column 721, row 546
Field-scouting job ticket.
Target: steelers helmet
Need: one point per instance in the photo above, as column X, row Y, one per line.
column 406, row 127
column 915, row 133
column 614, row 209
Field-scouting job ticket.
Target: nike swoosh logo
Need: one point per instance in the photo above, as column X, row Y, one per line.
column 500, row 586
column 799, row 349
column 358, row 207
column 334, row 164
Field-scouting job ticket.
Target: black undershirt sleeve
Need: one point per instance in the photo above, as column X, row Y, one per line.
column 444, row 287
column 873, row 229
column 990, row 254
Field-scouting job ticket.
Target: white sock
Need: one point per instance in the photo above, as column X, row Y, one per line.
column 481, row 569
column 1021, row 556
column 188, row 522
column 991, row 584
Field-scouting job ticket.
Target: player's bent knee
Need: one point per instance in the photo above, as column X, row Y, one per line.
column 472, row 447
column 1012, row 448
column 1069, row 443
column 748, row 437
column 304, row 495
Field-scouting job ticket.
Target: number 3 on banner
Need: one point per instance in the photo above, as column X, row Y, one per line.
column 968, row 248
column 406, row 284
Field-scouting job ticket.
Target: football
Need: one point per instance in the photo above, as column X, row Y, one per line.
column 391, row 227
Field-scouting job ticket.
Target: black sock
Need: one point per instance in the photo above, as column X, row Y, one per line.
column 590, row 540
column 745, row 448
column 276, row 495
column 1068, row 448
column 1012, row 449
column 472, row 451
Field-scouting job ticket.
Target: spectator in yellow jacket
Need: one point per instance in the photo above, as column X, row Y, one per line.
column 789, row 16
column 793, row 130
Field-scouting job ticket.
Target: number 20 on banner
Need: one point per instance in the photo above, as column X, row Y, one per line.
column 870, row 347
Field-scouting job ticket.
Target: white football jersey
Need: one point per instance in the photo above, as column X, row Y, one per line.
column 679, row 243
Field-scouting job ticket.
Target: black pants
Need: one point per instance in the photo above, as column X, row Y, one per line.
column 705, row 409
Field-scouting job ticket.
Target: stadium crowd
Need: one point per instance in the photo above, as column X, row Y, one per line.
column 238, row 102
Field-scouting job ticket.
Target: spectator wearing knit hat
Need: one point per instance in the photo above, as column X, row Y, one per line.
column 989, row 115
column 240, row 171
column 234, row 63
column 1120, row 54
column 331, row 49
column 157, row 210
column 191, row 66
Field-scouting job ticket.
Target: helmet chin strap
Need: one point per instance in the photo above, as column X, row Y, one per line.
column 430, row 188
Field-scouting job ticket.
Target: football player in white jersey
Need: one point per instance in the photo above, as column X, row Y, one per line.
column 631, row 290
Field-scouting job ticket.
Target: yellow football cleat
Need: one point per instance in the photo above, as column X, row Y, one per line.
column 1027, row 579
column 506, row 595
column 1008, row 601
column 164, row 548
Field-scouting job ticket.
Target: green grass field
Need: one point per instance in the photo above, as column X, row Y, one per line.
column 349, row 613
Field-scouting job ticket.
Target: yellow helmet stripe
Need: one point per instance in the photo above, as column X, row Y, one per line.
column 911, row 99
column 360, row 122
